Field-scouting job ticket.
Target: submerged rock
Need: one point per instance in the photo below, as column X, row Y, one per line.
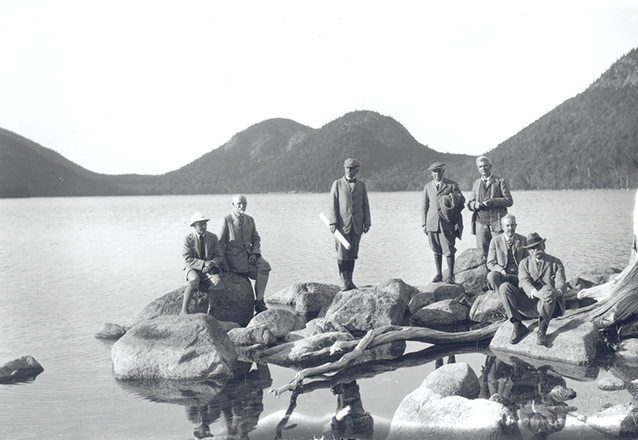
column 185, row 347
column 110, row 331
column 20, row 369
column 457, row 379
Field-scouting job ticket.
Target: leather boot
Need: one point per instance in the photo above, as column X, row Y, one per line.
column 350, row 283
column 438, row 262
column 450, row 266
column 519, row 331
column 344, row 281
column 541, row 336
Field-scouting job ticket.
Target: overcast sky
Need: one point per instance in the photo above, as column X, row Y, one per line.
column 148, row 86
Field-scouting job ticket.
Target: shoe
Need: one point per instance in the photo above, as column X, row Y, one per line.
column 541, row 338
column 519, row 332
column 450, row 279
column 260, row 306
column 438, row 278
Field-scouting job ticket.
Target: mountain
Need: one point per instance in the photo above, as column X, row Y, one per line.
column 589, row 141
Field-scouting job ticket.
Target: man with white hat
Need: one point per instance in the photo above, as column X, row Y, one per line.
column 203, row 257
column 349, row 213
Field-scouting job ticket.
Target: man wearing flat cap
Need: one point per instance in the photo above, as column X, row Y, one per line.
column 202, row 257
column 541, row 278
column 441, row 218
column 349, row 213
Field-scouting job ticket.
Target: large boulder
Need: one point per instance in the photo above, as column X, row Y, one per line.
column 20, row 369
column 289, row 295
column 420, row 300
column 446, row 312
column 398, row 287
column 470, row 271
column 362, row 310
column 443, row 291
column 487, row 308
column 189, row 347
column 594, row 277
column 280, row 322
column 619, row 421
column 235, row 303
column 251, row 336
column 457, row 379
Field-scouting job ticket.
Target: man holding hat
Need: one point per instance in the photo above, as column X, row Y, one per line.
column 542, row 280
column 441, row 218
column 203, row 257
column 349, row 213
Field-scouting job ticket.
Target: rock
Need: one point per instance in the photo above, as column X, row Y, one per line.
column 594, row 277
column 454, row 380
column 399, row 287
column 610, row 384
column 186, row 347
column 175, row 392
column 294, row 354
column 248, row 336
column 561, row 393
column 21, row 369
column 469, row 259
column 314, row 327
column 570, row 341
column 617, row 421
column 487, row 308
column 627, row 353
column 289, row 295
column 235, row 303
column 470, row 271
column 446, row 312
column 421, row 300
column 110, row 331
column 279, row 321
column 312, row 301
column 362, row 310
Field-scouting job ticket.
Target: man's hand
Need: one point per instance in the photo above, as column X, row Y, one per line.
column 253, row 258
column 425, row 230
column 207, row 267
column 548, row 294
column 333, row 228
column 366, row 228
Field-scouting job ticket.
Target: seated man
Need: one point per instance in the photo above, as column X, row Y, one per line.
column 203, row 257
column 241, row 247
column 542, row 280
column 505, row 254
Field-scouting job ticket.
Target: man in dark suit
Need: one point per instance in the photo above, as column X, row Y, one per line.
column 350, row 215
column 541, row 278
column 506, row 252
column 442, row 195
column 202, row 257
column 489, row 202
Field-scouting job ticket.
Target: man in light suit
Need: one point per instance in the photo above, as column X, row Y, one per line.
column 506, row 252
column 442, row 230
column 202, row 257
column 541, row 278
column 241, row 246
column 490, row 199
column 349, row 214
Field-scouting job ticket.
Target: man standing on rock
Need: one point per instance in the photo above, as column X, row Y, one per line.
column 441, row 218
column 506, row 252
column 489, row 201
column 203, row 258
column 241, row 247
column 350, row 215
column 542, row 285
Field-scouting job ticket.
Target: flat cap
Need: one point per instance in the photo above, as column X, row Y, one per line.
column 351, row 163
column 436, row 166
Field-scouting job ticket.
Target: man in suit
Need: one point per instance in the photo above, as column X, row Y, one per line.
column 489, row 202
column 506, row 252
column 202, row 257
column 442, row 195
column 350, row 215
column 241, row 246
column 541, row 278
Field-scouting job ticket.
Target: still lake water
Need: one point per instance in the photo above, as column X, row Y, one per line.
column 68, row 265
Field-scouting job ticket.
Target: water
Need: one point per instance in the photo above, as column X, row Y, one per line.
column 67, row 265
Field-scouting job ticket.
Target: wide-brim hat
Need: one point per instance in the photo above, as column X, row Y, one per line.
column 436, row 166
column 533, row 240
column 198, row 217
column 349, row 163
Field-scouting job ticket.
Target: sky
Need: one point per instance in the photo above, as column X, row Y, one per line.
column 147, row 87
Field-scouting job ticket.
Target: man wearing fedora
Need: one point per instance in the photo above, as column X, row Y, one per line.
column 203, row 257
column 349, row 213
column 441, row 218
column 506, row 252
column 489, row 201
column 541, row 278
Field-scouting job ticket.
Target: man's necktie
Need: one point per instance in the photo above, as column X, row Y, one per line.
column 202, row 247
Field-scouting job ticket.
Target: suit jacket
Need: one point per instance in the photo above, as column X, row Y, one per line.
column 498, row 190
column 191, row 253
column 430, row 217
column 238, row 241
column 551, row 273
column 349, row 207
column 497, row 254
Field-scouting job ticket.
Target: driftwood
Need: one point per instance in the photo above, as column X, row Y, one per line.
column 380, row 336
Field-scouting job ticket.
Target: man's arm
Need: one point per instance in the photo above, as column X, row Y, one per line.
column 367, row 222
column 425, row 205
column 560, row 283
column 190, row 254
column 492, row 258
column 473, row 204
column 333, row 213
column 525, row 280
column 506, row 200
column 218, row 256
column 222, row 236
column 255, row 239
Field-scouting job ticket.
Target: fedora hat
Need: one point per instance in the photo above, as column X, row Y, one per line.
column 533, row 240
column 198, row 217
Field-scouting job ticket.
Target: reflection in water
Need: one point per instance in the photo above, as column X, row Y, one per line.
column 351, row 421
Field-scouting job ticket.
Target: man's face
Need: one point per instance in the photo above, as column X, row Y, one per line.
column 485, row 168
column 351, row 172
column 437, row 174
column 509, row 227
column 538, row 251
column 200, row 227
column 239, row 204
